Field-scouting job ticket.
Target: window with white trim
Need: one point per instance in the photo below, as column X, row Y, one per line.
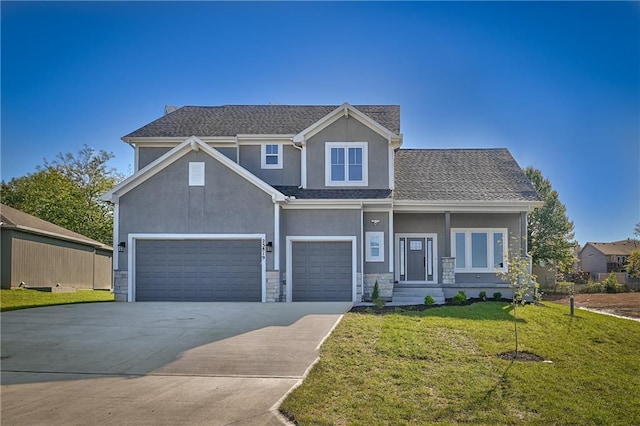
column 346, row 164
column 271, row 155
column 479, row 250
column 374, row 242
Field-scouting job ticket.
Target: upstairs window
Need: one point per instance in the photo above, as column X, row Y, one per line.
column 346, row 164
column 271, row 156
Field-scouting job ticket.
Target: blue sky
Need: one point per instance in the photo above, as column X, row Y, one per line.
column 558, row 84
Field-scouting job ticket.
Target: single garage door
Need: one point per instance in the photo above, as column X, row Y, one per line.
column 198, row 270
column 321, row 271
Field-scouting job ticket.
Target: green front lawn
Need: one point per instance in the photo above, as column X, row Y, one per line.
column 440, row 366
column 22, row 298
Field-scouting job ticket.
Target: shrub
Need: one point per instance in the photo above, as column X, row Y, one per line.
column 482, row 295
column 593, row 287
column 497, row 295
column 429, row 300
column 379, row 303
column 376, row 292
column 611, row 284
column 459, row 298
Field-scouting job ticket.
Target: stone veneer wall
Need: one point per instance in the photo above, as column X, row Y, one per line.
column 273, row 286
column 448, row 270
column 120, row 286
column 385, row 285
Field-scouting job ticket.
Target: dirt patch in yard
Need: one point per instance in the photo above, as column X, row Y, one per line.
column 623, row 304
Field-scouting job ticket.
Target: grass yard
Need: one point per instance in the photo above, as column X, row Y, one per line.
column 440, row 366
column 22, row 298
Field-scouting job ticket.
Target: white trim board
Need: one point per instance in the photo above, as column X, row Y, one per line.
column 131, row 254
column 321, row 238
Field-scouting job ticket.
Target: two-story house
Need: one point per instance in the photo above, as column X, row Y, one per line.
column 310, row 203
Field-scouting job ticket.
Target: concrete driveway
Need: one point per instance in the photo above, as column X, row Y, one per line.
column 158, row 363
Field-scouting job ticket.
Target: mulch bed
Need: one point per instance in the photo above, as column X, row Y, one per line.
column 414, row 308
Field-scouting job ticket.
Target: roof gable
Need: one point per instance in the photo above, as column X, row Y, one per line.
column 461, row 175
column 346, row 110
column 11, row 218
column 233, row 120
column 192, row 143
column 621, row 248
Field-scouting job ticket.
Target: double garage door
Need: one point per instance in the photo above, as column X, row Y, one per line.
column 231, row 270
column 198, row 270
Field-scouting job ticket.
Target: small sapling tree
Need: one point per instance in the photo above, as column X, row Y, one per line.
column 522, row 283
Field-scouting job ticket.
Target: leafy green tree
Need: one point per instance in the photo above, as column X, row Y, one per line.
column 550, row 232
column 66, row 191
column 633, row 263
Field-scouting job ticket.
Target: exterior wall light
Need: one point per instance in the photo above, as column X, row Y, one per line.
column 269, row 247
column 121, row 246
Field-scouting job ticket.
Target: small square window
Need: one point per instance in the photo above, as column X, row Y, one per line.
column 271, row 156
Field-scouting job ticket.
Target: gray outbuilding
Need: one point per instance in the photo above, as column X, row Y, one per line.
column 37, row 253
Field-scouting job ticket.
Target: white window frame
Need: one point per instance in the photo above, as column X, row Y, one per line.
column 369, row 238
column 346, row 182
column 490, row 251
column 263, row 156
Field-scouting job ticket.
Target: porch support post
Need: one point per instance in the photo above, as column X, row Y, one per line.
column 523, row 233
column 447, row 233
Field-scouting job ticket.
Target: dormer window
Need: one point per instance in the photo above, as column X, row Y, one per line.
column 271, row 156
column 346, row 164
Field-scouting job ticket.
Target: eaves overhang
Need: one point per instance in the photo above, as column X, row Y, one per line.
column 470, row 206
column 341, row 203
column 57, row 236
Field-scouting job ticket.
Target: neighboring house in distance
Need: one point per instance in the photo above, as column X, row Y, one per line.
column 603, row 258
column 36, row 253
column 310, row 203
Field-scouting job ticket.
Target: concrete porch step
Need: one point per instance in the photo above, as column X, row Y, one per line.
column 415, row 295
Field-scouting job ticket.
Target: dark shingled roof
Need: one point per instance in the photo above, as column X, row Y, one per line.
column 232, row 120
column 460, row 175
column 334, row 194
column 13, row 218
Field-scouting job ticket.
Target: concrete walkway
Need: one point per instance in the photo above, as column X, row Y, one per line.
column 157, row 363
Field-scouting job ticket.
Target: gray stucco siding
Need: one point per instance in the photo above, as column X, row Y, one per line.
column 165, row 203
column 421, row 223
column 288, row 175
column 303, row 222
column 348, row 130
column 147, row 155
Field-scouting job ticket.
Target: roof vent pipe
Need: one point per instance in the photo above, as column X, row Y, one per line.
column 169, row 109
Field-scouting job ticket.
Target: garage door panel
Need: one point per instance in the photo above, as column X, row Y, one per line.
column 322, row 271
column 198, row 270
